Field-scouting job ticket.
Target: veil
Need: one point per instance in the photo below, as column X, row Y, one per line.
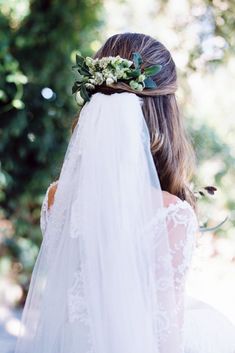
column 103, row 278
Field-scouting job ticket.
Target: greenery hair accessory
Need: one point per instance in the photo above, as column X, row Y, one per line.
column 110, row 70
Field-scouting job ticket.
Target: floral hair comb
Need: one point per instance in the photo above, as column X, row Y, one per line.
column 110, row 70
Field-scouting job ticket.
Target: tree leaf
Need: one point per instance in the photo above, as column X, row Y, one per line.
column 137, row 60
column 149, row 83
column 152, row 70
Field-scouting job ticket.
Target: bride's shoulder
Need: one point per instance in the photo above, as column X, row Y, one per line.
column 169, row 199
column 51, row 193
column 173, row 204
column 180, row 212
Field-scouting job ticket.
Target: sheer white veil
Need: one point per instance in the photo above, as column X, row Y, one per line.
column 103, row 279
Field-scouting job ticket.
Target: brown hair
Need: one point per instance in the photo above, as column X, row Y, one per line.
column 172, row 153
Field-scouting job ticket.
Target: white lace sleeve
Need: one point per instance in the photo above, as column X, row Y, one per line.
column 182, row 227
column 45, row 212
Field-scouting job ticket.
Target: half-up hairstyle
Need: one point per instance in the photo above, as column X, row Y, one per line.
column 172, row 153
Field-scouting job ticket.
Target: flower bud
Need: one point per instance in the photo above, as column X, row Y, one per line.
column 109, row 81
column 79, row 98
column 99, row 79
column 140, row 87
column 134, row 85
column 89, row 85
column 89, row 61
column 141, row 78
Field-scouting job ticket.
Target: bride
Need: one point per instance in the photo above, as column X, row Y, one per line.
column 119, row 227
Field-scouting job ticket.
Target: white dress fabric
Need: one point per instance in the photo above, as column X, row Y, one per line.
column 205, row 329
column 111, row 270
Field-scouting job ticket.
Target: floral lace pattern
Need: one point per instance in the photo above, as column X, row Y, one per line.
column 77, row 306
column 182, row 225
column 76, row 300
column 181, row 222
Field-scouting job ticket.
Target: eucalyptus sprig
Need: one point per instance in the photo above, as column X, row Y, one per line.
column 203, row 193
column 110, row 70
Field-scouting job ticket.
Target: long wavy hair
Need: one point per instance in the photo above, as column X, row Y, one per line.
column 171, row 150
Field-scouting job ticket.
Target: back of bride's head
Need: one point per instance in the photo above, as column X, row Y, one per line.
column 151, row 51
column 172, row 153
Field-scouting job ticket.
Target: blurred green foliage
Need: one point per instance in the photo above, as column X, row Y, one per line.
column 203, row 33
column 37, row 108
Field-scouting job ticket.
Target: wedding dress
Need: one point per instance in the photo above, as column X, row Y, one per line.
column 205, row 329
column 110, row 275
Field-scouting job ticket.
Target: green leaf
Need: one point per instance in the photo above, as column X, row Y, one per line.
column 81, row 66
column 80, row 78
column 152, row 70
column 83, row 71
column 84, row 93
column 75, row 87
column 212, row 229
column 149, row 83
column 137, row 60
column 134, row 73
column 80, row 60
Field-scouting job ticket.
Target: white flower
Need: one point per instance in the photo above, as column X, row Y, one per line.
column 107, row 73
column 92, row 81
column 116, row 60
column 109, row 81
column 119, row 72
column 89, row 85
column 128, row 63
column 103, row 62
column 79, row 98
column 89, row 61
column 98, row 77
